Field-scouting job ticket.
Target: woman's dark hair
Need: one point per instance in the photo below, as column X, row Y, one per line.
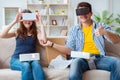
column 22, row 31
column 85, row 4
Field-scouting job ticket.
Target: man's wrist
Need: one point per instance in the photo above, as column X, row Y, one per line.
column 105, row 32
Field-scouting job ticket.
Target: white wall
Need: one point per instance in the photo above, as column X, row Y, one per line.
column 116, row 6
column 112, row 6
column 97, row 6
column 10, row 3
column 73, row 5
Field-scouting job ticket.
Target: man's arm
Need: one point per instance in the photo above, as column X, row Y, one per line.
column 58, row 47
column 112, row 36
column 100, row 31
column 62, row 48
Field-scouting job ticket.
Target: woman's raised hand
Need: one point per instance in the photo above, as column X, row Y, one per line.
column 39, row 19
column 18, row 18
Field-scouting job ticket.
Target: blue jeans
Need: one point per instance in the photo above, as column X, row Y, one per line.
column 31, row 70
column 79, row 66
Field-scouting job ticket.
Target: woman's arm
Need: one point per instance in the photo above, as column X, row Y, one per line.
column 5, row 33
column 41, row 32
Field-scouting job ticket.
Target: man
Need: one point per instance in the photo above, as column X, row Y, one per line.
column 89, row 36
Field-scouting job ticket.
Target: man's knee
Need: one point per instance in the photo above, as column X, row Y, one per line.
column 73, row 76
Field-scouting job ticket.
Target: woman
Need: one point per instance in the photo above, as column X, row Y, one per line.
column 26, row 37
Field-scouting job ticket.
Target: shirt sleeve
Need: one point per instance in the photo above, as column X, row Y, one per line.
column 108, row 28
column 70, row 43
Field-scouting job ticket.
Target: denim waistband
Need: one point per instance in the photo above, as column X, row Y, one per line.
column 96, row 55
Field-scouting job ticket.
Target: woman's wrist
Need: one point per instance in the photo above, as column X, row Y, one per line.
column 41, row 25
column 40, row 22
column 52, row 44
column 14, row 22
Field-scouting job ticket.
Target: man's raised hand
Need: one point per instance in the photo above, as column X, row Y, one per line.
column 100, row 30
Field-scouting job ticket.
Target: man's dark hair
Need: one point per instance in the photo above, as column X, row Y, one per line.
column 85, row 4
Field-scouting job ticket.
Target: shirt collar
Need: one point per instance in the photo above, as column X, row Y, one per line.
column 78, row 26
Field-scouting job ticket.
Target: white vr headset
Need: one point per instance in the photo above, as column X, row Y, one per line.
column 29, row 16
column 29, row 57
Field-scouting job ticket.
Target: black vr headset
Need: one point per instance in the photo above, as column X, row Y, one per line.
column 82, row 11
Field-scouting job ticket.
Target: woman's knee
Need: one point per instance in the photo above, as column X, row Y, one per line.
column 26, row 66
column 35, row 64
